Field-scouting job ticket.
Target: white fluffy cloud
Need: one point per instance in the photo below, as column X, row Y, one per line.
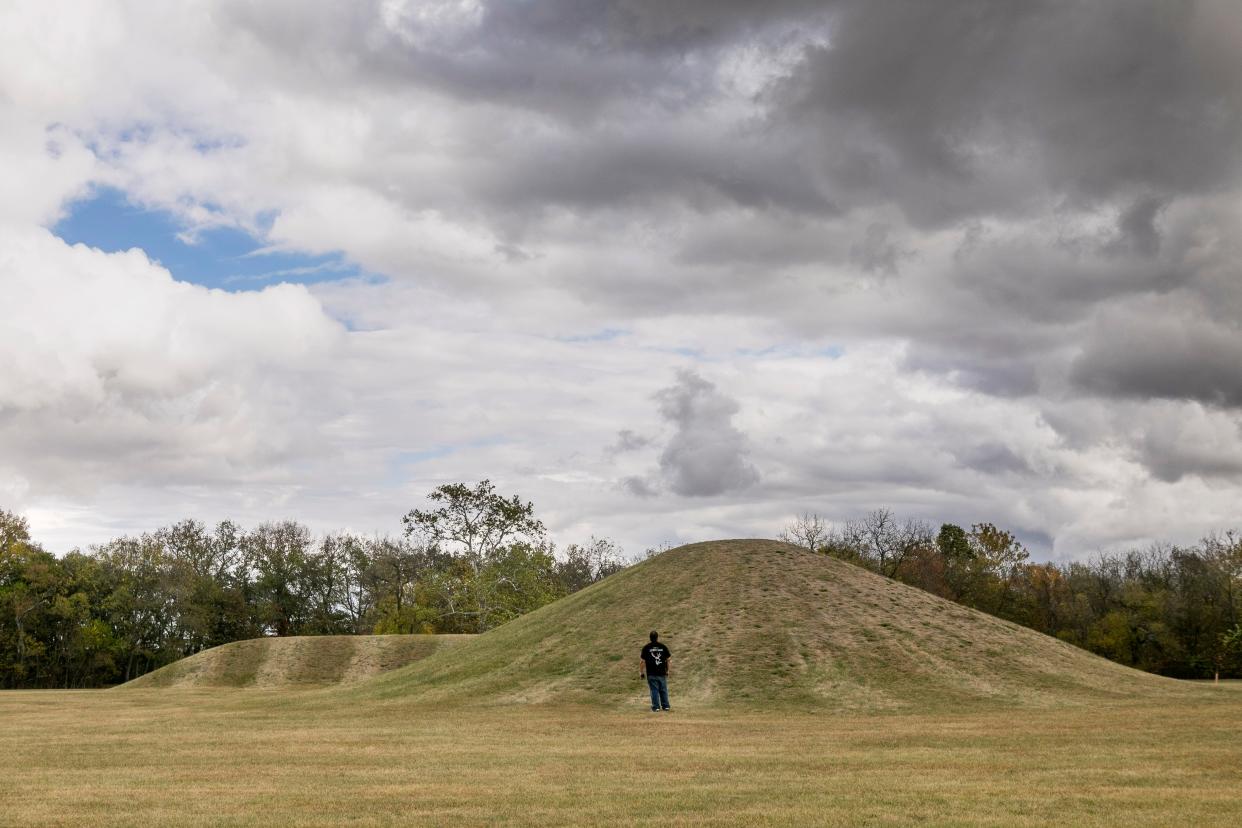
column 913, row 258
column 113, row 372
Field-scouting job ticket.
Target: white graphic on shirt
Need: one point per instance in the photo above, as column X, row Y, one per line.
column 656, row 655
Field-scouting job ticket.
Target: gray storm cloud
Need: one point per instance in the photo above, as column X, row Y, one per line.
column 934, row 105
column 706, row 455
column 1163, row 352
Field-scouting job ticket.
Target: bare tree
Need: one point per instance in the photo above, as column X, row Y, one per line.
column 809, row 531
column 880, row 541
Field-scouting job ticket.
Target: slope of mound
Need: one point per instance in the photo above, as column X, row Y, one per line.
column 296, row 661
column 757, row 623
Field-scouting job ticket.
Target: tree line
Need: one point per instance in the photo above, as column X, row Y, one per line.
column 469, row 562
column 1172, row 610
column 474, row 559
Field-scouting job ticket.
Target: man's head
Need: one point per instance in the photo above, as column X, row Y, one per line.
column 655, row 636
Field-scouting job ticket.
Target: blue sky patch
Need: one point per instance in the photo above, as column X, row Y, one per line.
column 222, row 257
column 605, row 335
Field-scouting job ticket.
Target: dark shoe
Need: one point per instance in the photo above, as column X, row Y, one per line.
column 668, row 710
column 655, row 710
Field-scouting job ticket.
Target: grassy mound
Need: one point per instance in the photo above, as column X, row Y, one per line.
column 755, row 623
column 297, row 661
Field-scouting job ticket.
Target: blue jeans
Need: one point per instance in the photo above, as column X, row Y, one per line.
column 659, row 691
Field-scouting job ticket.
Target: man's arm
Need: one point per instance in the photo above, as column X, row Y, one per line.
column 642, row 667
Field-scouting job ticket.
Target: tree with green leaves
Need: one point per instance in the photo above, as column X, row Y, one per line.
column 957, row 557
column 994, row 566
column 480, row 529
column 1230, row 648
column 28, row 586
column 278, row 556
column 520, row 578
column 394, row 570
column 347, row 557
column 474, row 522
column 581, row 565
column 140, row 606
column 207, row 583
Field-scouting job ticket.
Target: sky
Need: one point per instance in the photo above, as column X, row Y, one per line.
column 672, row 272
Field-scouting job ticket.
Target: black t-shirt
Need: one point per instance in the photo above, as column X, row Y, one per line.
column 656, row 657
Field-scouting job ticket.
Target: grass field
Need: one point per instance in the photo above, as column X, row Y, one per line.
column 805, row 690
column 255, row 757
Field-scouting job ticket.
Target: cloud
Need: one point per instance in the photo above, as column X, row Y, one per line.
column 1179, row 440
column 135, row 377
column 991, row 458
column 1165, row 351
column 963, row 109
column 876, row 253
column 706, row 456
column 639, row 487
column 628, row 440
column 1137, row 226
column 960, row 260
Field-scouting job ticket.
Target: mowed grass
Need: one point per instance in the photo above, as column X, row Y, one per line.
column 261, row 757
column 297, row 661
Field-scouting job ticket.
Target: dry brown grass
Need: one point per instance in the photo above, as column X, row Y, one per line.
column 254, row 757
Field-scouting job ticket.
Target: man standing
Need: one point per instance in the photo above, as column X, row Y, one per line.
column 655, row 670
